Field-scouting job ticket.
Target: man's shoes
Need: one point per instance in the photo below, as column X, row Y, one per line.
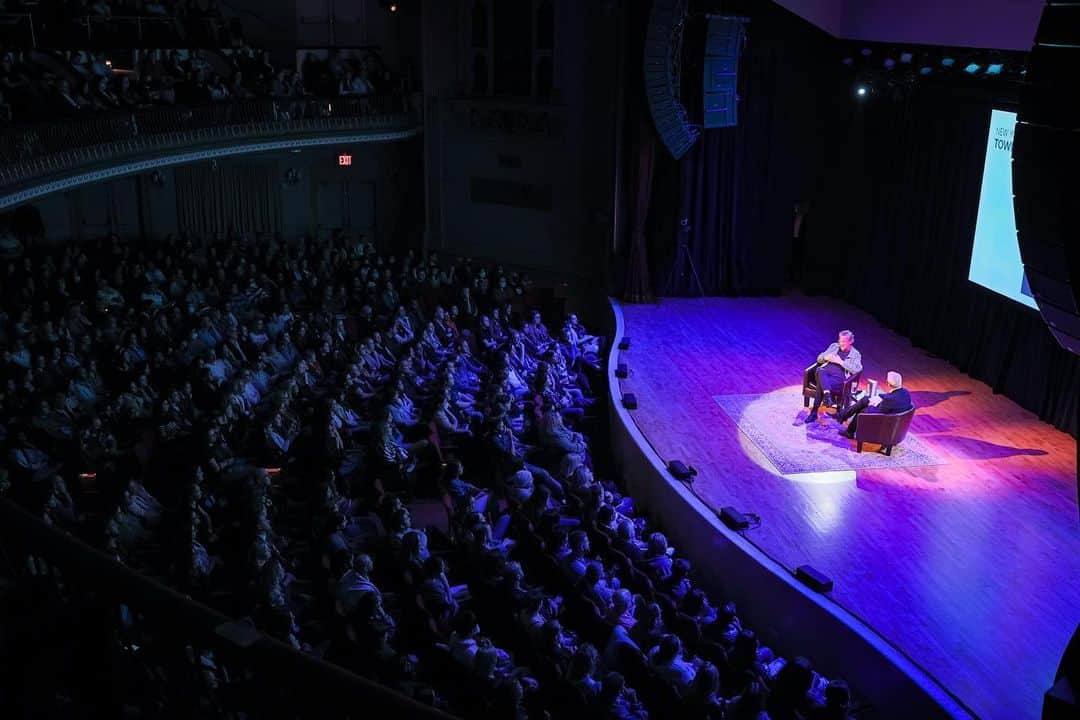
column 812, row 417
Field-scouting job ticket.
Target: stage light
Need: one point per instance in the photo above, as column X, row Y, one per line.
column 862, row 91
column 866, row 52
column 972, row 68
column 848, row 61
column 948, row 62
column 906, row 57
column 994, row 68
column 889, row 63
column 925, row 70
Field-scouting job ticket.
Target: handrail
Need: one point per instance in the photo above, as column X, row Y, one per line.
column 31, row 151
column 29, row 17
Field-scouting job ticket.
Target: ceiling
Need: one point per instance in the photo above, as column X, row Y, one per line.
column 998, row 24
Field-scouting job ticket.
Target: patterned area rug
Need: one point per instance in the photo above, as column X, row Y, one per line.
column 774, row 422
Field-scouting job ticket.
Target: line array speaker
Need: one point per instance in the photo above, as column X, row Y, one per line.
column 724, row 41
column 663, row 45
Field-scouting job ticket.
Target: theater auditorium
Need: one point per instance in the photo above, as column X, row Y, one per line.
column 539, row 359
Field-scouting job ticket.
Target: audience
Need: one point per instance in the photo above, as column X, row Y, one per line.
column 288, row 409
column 31, row 91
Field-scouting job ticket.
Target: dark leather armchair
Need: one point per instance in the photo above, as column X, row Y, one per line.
column 809, row 388
column 881, row 429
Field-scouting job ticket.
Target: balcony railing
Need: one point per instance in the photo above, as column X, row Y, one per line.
column 35, row 151
column 17, row 30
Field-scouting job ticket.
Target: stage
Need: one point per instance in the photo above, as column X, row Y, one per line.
column 964, row 554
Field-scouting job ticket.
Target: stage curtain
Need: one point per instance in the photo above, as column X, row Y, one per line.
column 234, row 196
column 892, row 233
column 638, row 286
column 737, row 188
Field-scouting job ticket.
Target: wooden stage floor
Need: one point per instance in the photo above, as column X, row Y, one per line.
column 971, row 568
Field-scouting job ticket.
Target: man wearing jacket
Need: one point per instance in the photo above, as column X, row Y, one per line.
column 897, row 400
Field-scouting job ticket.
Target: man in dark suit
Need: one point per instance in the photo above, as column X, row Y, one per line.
column 897, row 400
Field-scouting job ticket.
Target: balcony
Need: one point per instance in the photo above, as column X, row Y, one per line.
column 43, row 158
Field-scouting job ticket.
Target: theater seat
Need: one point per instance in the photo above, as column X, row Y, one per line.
column 809, row 387
column 884, row 430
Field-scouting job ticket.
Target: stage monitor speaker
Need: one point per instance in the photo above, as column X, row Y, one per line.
column 724, row 40
column 681, row 470
column 734, row 519
column 663, row 77
column 1060, row 701
column 621, row 371
column 624, row 344
column 813, row 579
column 629, row 401
column 1046, row 155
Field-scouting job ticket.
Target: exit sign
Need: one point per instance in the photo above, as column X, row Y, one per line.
column 344, row 160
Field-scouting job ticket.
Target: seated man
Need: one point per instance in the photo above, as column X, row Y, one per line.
column 897, row 400
column 839, row 361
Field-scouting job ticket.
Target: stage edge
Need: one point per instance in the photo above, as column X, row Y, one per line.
column 786, row 615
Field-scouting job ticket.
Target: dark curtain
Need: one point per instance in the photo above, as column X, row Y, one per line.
column 893, row 232
column 638, row 285
column 737, row 188
column 233, row 196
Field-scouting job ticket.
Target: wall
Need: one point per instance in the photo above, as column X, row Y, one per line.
column 269, row 24
column 92, row 211
column 519, row 179
column 370, row 196
column 355, row 23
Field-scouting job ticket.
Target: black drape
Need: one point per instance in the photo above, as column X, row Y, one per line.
column 638, row 285
column 892, row 232
column 737, row 187
column 230, row 196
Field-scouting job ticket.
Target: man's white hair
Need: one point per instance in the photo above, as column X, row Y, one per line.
column 849, row 334
column 895, row 379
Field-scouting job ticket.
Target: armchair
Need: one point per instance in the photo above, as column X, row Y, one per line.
column 881, row 429
column 809, row 388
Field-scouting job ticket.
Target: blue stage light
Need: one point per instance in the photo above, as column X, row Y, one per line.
column 925, row 70
column 906, row 57
column 994, row 68
column 973, row 68
column 948, row 62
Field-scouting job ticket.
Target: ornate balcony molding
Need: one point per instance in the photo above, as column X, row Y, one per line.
column 119, row 169
column 50, row 158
